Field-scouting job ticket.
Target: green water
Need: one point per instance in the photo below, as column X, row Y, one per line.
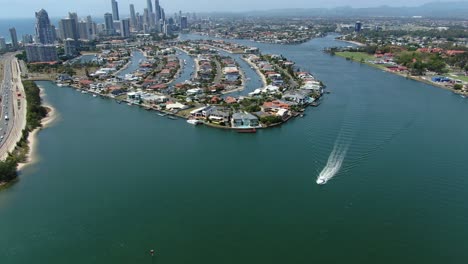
column 115, row 181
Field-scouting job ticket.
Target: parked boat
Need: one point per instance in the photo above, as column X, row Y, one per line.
column 94, row 95
column 60, row 84
column 84, row 92
column 161, row 114
column 247, row 130
column 119, row 102
column 194, row 122
column 315, row 104
column 129, row 103
column 172, row 117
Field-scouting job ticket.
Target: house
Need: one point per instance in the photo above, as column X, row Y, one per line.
column 194, row 91
column 244, row 120
column 175, row 106
column 298, row 96
column 219, row 115
column 230, row 100
column 215, row 100
column 200, row 113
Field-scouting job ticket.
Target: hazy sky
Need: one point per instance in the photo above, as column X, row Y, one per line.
column 59, row 8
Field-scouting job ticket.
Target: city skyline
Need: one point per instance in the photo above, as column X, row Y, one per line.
column 56, row 8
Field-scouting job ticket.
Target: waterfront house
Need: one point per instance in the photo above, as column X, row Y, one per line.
column 175, row 106
column 244, row 120
column 199, row 112
column 219, row 115
column 298, row 96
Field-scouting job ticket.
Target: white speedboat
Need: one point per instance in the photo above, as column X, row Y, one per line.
column 94, row 95
column 321, row 181
column 84, row 92
column 60, row 84
column 194, row 122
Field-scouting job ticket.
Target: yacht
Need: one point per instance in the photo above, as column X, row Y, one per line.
column 84, row 92
column 94, row 95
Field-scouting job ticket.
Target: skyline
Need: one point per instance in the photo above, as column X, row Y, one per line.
column 56, row 8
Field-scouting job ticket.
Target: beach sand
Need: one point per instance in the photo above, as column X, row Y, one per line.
column 51, row 117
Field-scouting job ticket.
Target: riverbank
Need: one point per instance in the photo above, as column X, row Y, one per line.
column 31, row 155
column 352, row 42
column 364, row 60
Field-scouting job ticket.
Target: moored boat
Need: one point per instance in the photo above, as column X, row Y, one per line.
column 194, row 122
column 247, row 130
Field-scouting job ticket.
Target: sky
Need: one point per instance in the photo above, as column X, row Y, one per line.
column 59, row 8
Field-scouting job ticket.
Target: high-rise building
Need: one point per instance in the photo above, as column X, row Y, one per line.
column 70, row 47
column 27, row 39
column 109, row 24
column 157, row 11
column 14, row 37
column 149, row 5
column 125, row 28
column 74, row 16
column 68, row 28
column 139, row 22
column 132, row 17
column 83, row 30
column 146, row 18
column 3, row 45
column 183, row 23
column 44, row 31
column 115, row 10
column 41, row 53
column 358, row 26
column 91, row 28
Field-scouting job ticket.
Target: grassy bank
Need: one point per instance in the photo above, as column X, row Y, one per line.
column 35, row 112
column 361, row 57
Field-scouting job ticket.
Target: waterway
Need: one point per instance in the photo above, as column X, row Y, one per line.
column 134, row 63
column 115, row 181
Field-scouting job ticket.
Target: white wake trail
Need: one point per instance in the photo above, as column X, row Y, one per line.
column 334, row 163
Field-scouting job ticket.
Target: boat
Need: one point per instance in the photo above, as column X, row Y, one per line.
column 172, row 117
column 194, row 122
column 161, row 114
column 119, row 102
column 94, row 95
column 84, row 92
column 60, row 84
column 129, row 103
column 321, row 181
column 315, row 104
column 247, row 130
column 302, row 115
column 463, row 96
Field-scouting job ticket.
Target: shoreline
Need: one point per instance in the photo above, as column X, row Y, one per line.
column 407, row 76
column 351, row 42
column 262, row 76
column 32, row 157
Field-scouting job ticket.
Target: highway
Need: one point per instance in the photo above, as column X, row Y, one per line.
column 12, row 105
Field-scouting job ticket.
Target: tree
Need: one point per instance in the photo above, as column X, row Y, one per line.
column 457, row 86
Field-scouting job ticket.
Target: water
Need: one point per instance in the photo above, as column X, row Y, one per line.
column 115, row 181
column 137, row 57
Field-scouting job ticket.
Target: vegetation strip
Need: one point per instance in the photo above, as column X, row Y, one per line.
column 35, row 113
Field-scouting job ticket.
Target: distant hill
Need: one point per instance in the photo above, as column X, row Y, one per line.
column 435, row 9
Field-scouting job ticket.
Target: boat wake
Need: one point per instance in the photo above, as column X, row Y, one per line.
column 334, row 163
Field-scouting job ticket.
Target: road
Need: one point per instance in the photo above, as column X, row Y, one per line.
column 13, row 105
